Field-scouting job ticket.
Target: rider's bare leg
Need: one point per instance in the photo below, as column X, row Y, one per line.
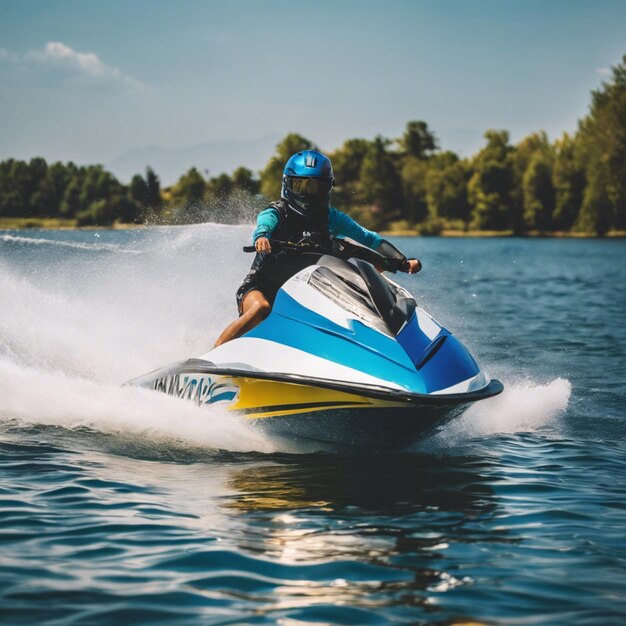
column 255, row 308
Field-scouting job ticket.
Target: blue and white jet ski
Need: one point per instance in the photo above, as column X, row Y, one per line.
column 345, row 358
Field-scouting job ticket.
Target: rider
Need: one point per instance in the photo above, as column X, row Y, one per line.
column 303, row 212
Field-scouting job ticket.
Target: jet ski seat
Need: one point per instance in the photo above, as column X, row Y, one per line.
column 394, row 309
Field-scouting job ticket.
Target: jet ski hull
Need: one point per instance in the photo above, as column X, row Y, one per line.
column 363, row 428
column 327, row 413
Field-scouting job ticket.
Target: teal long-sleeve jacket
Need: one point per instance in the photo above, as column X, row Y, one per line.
column 339, row 224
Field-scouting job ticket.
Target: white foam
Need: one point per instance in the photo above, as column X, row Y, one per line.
column 522, row 407
column 108, row 317
column 72, row 331
column 36, row 397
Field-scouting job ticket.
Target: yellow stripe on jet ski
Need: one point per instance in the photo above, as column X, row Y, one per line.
column 300, row 410
column 267, row 398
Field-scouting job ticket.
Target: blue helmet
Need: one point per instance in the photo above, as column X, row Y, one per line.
column 307, row 181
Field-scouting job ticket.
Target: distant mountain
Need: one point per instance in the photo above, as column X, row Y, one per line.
column 215, row 156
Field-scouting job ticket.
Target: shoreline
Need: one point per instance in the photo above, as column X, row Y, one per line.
column 33, row 223
column 533, row 234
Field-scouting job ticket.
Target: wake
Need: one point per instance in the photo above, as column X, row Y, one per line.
column 524, row 406
column 31, row 241
column 34, row 397
column 75, row 326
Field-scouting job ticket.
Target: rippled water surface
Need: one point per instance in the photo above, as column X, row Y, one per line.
column 118, row 505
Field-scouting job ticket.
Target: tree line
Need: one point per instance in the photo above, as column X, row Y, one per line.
column 576, row 183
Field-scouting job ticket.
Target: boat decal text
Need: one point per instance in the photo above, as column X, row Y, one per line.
column 200, row 388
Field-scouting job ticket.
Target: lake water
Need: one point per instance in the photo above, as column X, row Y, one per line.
column 119, row 505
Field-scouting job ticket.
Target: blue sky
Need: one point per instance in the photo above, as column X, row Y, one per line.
column 89, row 81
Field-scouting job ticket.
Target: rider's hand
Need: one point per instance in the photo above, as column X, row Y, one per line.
column 263, row 245
column 413, row 266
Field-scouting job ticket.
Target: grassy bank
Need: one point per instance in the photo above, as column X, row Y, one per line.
column 414, row 232
column 54, row 223
column 17, row 223
column 501, row 233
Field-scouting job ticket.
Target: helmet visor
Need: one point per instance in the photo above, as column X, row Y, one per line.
column 306, row 186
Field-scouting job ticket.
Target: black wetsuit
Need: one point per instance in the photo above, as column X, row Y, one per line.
column 270, row 272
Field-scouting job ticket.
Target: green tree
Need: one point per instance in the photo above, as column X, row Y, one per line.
column 39, row 189
column 190, row 188
column 538, row 192
column 10, row 200
column 102, row 212
column 569, row 181
column 70, row 204
column 491, row 184
column 601, row 143
column 379, row 178
column 233, row 199
column 446, row 188
column 94, row 187
column 138, row 190
column 103, row 199
column 39, row 200
column 418, row 141
column 153, row 184
column 347, row 164
column 21, row 186
column 146, row 191
column 521, row 157
column 221, row 186
column 596, row 212
column 272, row 174
column 58, row 177
column 244, row 180
column 414, row 177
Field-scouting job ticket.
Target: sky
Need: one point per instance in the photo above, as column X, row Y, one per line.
column 90, row 81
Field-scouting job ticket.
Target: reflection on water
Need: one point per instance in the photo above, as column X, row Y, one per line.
column 382, row 524
column 232, row 538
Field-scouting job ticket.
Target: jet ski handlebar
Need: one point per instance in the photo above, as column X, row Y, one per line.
column 340, row 248
column 287, row 246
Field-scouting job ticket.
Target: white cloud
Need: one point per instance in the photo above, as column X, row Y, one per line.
column 603, row 71
column 5, row 55
column 57, row 52
column 83, row 67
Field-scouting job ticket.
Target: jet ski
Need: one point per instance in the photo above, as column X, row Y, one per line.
column 345, row 358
